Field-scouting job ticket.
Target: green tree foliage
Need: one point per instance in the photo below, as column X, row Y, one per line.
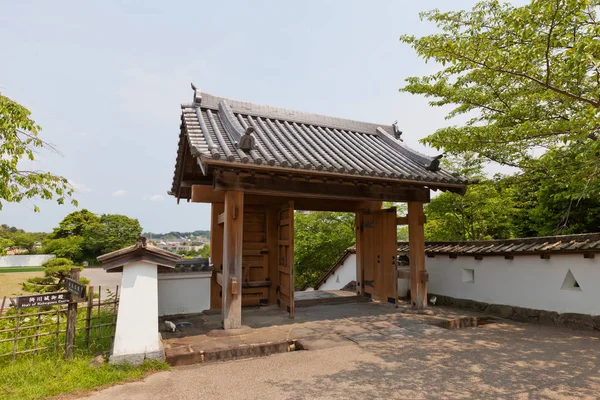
column 14, row 238
column 203, row 252
column 484, row 212
column 112, row 232
column 320, row 239
column 547, row 202
column 528, row 78
column 83, row 235
column 74, row 223
column 55, row 272
column 66, row 247
column 19, row 140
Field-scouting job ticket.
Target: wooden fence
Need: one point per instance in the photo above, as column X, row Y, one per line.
column 82, row 326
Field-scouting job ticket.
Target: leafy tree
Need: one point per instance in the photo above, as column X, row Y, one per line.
column 112, row 232
column 203, row 252
column 55, row 272
column 484, row 212
column 66, row 247
column 547, row 203
column 527, row 77
column 74, row 223
column 27, row 240
column 320, row 239
column 19, row 140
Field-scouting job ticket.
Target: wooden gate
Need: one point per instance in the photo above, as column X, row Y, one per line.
column 285, row 257
column 255, row 257
column 376, row 241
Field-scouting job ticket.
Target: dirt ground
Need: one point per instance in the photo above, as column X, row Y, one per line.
column 360, row 351
column 10, row 282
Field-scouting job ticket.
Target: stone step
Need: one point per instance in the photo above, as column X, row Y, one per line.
column 330, row 300
column 188, row 355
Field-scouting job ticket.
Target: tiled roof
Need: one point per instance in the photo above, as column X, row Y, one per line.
column 331, row 271
column 294, row 140
column 583, row 243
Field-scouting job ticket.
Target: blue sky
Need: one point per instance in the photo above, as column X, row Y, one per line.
column 106, row 80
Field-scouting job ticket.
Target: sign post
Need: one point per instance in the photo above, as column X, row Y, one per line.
column 41, row 300
column 73, row 286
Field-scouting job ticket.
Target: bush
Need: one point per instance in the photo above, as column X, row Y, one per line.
column 55, row 272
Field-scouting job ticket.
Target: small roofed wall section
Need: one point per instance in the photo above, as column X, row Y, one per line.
column 341, row 276
column 563, row 283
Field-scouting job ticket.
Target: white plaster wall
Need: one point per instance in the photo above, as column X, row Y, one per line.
column 345, row 274
column 526, row 281
column 25, row 260
column 183, row 293
column 137, row 320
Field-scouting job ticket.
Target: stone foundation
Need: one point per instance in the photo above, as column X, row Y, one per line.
column 520, row 314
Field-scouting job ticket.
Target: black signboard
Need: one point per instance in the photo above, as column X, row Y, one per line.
column 39, row 300
column 75, row 287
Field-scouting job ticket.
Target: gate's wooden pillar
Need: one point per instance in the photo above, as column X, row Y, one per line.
column 216, row 254
column 232, row 259
column 416, row 254
column 358, row 217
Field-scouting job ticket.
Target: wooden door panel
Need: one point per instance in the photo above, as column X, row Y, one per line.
column 368, row 241
column 378, row 255
column 255, row 261
column 285, row 257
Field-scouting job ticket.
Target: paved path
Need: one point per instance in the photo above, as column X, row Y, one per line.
column 385, row 358
column 99, row 277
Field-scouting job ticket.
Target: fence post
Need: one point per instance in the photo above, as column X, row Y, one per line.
column 71, row 319
column 88, row 316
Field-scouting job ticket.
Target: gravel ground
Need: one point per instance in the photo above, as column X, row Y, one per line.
column 504, row 360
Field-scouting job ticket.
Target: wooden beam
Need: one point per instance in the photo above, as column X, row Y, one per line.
column 402, row 221
column 416, row 251
column 216, row 254
column 206, row 194
column 232, row 259
column 276, row 185
column 221, row 218
column 256, row 284
column 268, row 169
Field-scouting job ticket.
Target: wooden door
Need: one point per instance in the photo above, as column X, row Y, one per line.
column 255, row 257
column 378, row 254
column 285, row 257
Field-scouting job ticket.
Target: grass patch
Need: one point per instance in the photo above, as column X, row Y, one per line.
column 20, row 269
column 41, row 377
column 11, row 283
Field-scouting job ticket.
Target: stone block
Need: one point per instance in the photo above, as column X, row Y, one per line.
column 523, row 314
column 576, row 321
column 596, row 319
column 548, row 317
column 500, row 310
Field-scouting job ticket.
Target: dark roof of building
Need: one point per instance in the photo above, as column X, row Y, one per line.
column 294, row 140
column 582, row 243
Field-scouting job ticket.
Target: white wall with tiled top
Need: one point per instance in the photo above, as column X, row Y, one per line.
column 526, row 281
column 342, row 276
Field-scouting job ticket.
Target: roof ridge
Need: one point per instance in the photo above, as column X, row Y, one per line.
column 261, row 110
column 525, row 240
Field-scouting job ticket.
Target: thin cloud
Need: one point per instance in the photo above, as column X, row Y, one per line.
column 154, row 197
column 80, row 187
column 119, row 193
